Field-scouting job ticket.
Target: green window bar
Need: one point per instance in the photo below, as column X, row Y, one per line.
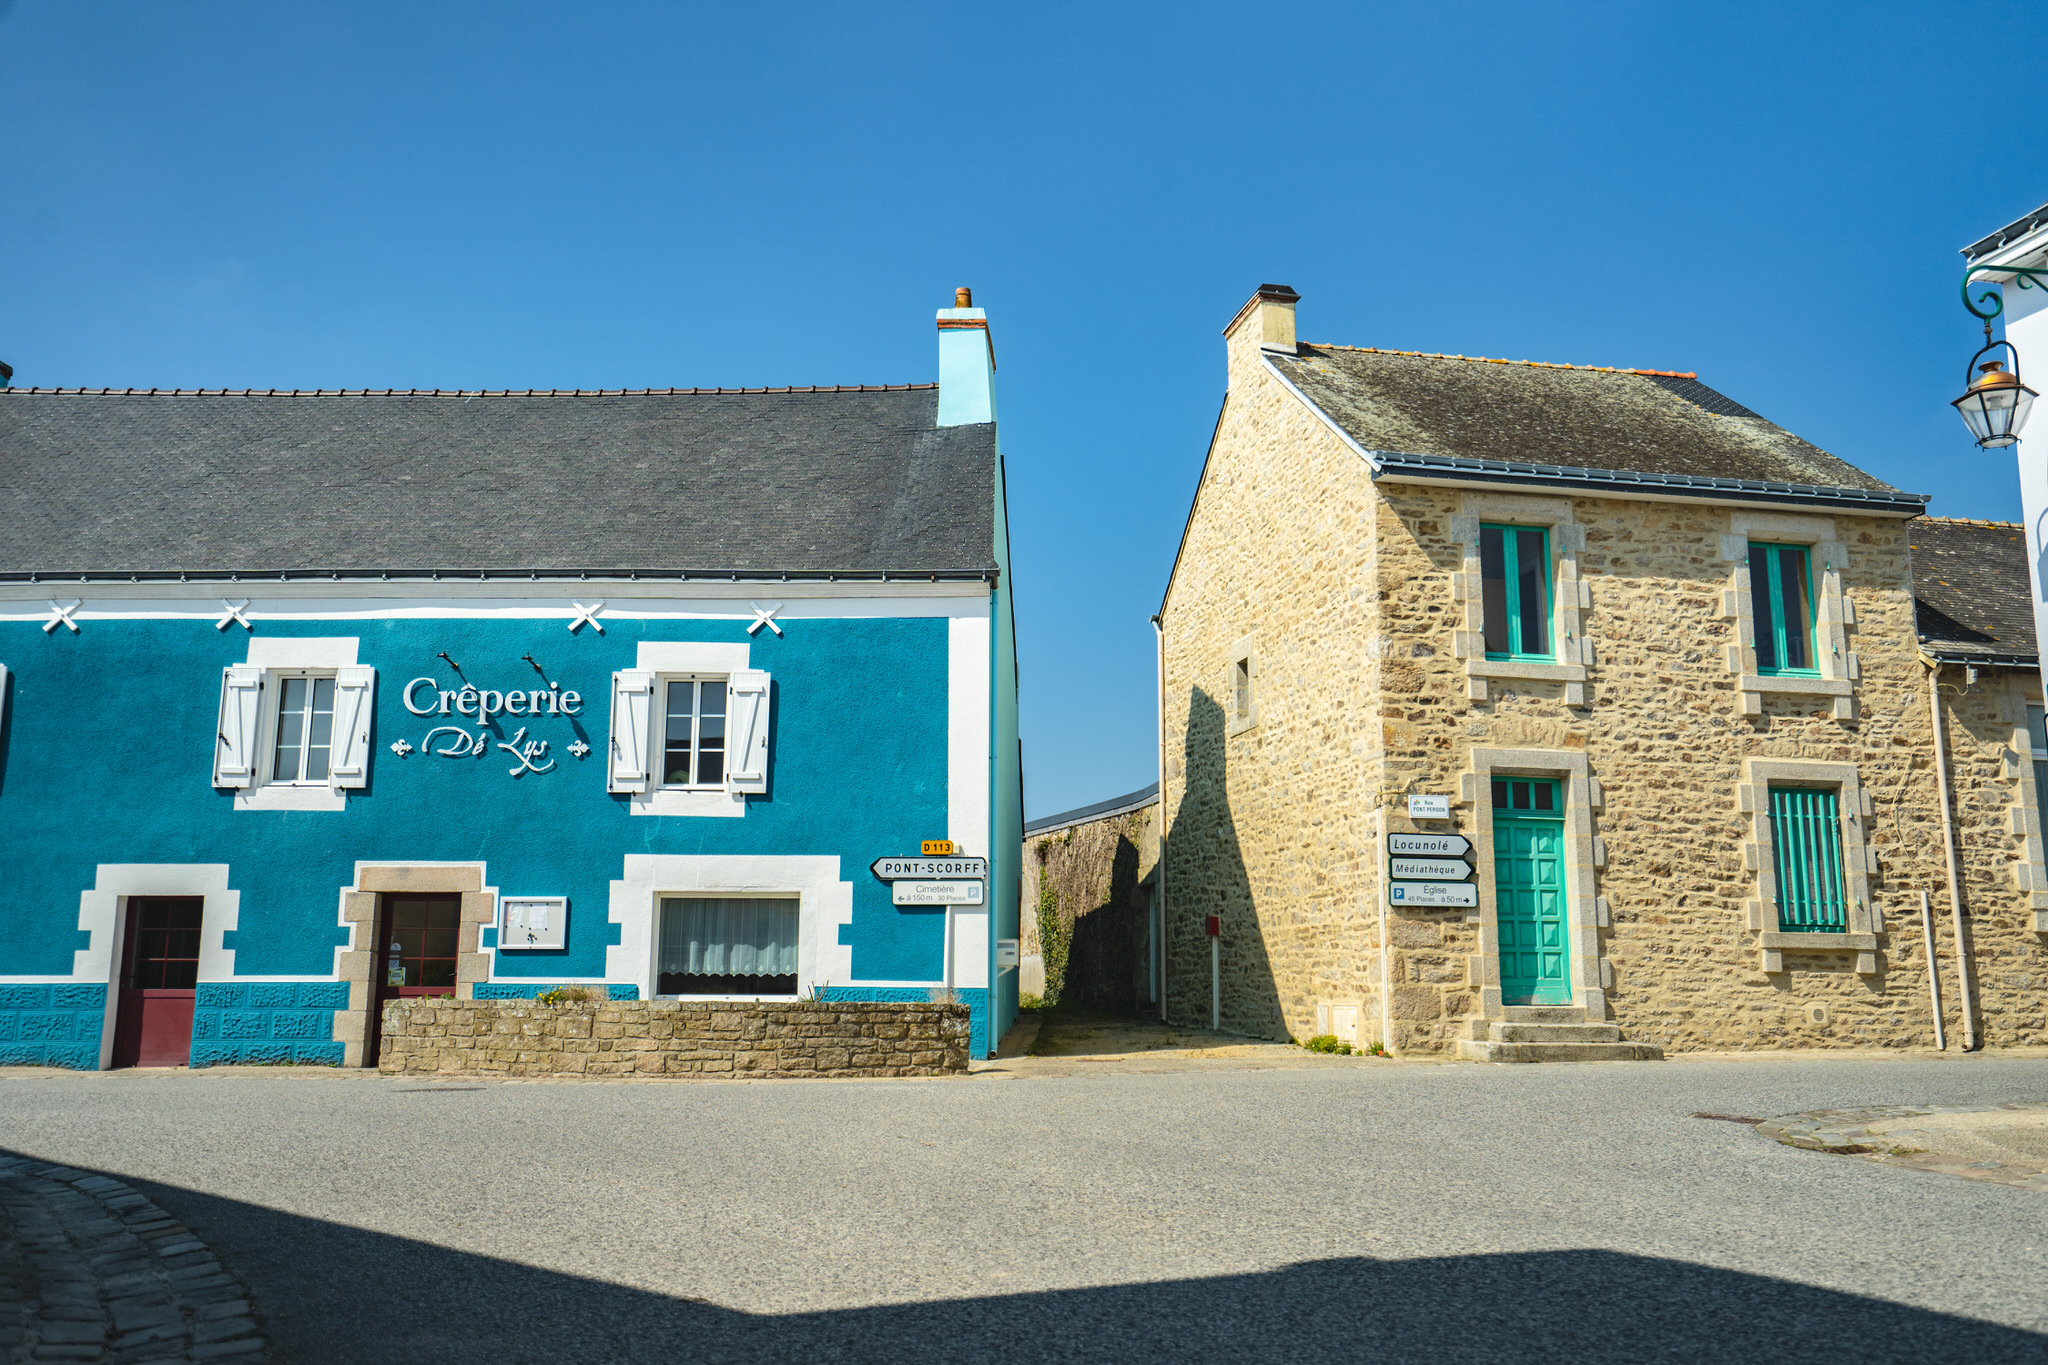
column 1781, row 596
column 1535, row 797
column 1514, row 581
column 1806, row 858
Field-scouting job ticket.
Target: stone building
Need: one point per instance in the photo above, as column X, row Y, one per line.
column 1655, row 656
column 1090, row 905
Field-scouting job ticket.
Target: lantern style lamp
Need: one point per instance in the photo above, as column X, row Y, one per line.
column 1996, row 404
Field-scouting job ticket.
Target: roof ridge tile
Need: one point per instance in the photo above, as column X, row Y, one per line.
column 454, row 393
column 1490, row 360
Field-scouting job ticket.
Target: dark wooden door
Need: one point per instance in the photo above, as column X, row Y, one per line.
column 159, row 980
column 418, row 937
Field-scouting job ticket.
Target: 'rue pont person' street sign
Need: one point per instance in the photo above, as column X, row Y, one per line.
column 1430, row 845
column 1432, row 893
column 1431, row 869
column 929, row 869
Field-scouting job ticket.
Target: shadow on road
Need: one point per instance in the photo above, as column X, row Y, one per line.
column 333, row 1293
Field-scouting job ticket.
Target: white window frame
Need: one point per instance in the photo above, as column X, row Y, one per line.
column 676, row 660
column 270, row 728
column 752, row 894
column 662, row 682
column 282, row 657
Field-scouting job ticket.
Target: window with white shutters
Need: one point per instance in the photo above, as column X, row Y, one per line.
column 234, row 744
column 747, row 700
column 628, row 766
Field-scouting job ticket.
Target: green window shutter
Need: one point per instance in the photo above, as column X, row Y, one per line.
column 1806, row 860
column 1781, row 598
column 1514, row 573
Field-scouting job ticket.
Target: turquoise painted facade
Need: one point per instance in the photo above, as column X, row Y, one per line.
column 890, row 719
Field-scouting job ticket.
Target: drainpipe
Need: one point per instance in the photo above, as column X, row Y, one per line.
column 1159, row 641
column 1386, row 947
column 1948, row 851
column 1933, row 978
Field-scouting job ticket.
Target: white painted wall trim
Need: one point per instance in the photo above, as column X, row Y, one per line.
column 688, row 656
column 824, row 903
column 356, row 601
column 970, row 731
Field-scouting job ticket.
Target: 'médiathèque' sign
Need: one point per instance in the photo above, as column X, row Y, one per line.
column 485, row 704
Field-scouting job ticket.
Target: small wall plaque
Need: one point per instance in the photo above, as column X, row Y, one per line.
column 1429, row 808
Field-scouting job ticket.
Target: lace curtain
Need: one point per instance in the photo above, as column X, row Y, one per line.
column 738, row 937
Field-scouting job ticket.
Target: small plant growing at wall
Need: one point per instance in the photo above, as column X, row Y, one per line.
column 1377, row 1049
column 565, row 995
column 1329, row 1042
column 1027, row 1001
column 1054, row 938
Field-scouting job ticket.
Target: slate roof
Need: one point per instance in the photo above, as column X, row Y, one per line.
column 1472, row 418
column 857, row 481
column 1971, row 591
column 1102, row 810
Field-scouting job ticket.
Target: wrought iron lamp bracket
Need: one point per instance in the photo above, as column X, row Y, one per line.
column 2026, row 277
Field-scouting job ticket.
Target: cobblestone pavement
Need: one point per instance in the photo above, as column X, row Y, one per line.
column 90, row 1270
column 2005, row 1144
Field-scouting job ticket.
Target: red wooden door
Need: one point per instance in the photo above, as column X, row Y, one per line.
column 418, row 937
column 159, row 979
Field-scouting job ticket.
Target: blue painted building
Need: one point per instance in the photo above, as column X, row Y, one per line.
column 315, row 699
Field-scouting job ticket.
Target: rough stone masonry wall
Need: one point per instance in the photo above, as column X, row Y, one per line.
column 1664, row 735
column 1270, row 825
column 1097, row 908
column 673, row 1038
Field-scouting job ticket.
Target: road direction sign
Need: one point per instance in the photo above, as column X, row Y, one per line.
column 929, row 869
column 1430, row 845
column 1432, row 893
column 1432, row 869
column 935, row 893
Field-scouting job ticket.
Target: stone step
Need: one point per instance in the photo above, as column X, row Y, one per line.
column 1554, row 1033
column 1490, row 1051
column 1544, row 1014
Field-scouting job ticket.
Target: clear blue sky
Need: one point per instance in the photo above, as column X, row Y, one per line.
column 494, row 195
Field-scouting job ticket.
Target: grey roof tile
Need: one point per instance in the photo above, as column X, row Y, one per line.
column 1635, row 422
column 1972, row 595
column 853, row 480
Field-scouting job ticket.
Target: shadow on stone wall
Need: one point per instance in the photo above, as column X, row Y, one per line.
column 1092, row 872
column 1206, row 875
column 329, row 1292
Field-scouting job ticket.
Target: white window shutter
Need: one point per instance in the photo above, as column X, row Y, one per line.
column 632, row 731
column 746, row 710
column 354, row 687
column 234, row 740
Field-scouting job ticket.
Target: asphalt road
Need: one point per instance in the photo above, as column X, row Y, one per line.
column 1438, row 1213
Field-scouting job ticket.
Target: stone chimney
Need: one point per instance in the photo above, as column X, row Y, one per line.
column 1266, row 320
column 967, row 363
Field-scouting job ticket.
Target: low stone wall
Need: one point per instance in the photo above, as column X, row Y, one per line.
column 673, row 1038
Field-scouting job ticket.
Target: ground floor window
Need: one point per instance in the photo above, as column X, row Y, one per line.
column 1806, row 860
column 727, row 946
column 425, row 933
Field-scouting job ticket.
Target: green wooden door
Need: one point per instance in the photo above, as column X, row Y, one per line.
column 1528, row 891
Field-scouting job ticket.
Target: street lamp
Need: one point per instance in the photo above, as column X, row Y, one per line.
column 1995, row 406
column 1995, row 403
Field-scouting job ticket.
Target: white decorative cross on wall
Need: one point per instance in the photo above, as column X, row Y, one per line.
column 589, row 614
column 764, row 616
column 234, row 612
column 61, row 616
